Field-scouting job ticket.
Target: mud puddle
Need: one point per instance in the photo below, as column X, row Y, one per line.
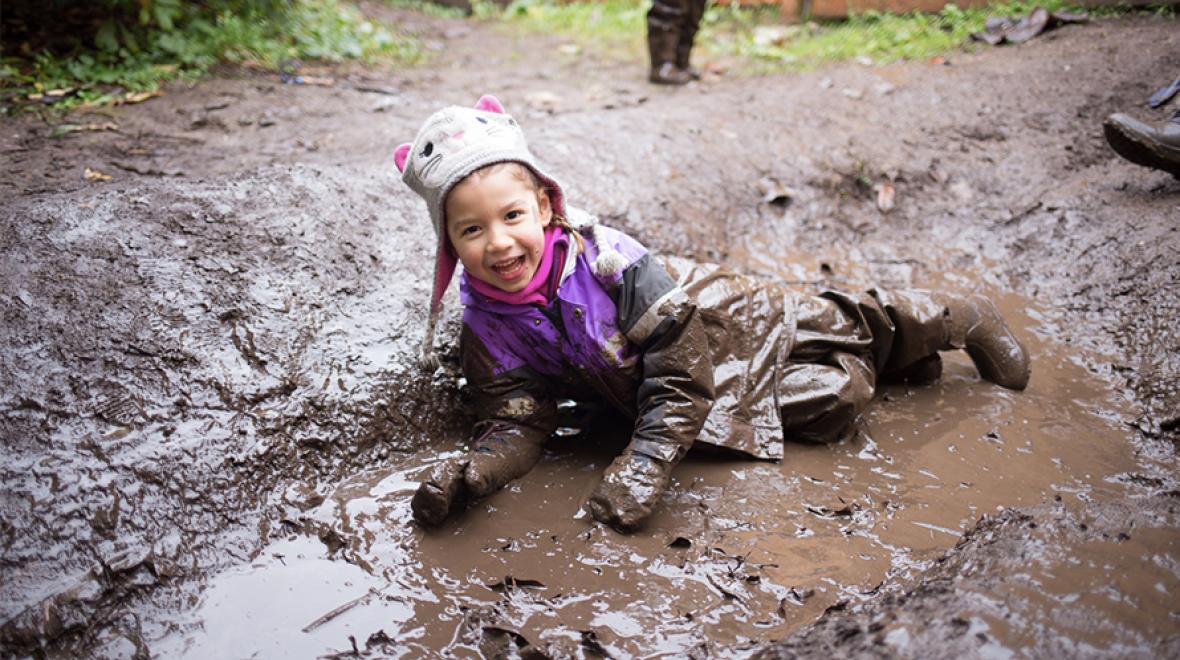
column 740, row 553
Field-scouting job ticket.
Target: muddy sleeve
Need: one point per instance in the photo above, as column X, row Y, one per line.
column 515, row 416
column 676, row 392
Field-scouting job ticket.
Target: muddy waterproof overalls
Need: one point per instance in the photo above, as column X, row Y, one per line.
column 693, row 353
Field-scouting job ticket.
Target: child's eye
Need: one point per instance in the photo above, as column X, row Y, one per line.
column 469, row 231
column 513, row 215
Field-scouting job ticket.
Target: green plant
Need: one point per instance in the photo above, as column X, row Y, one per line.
column 427, row 7
column 605, row 25
column 757, row 36
column 94, row 56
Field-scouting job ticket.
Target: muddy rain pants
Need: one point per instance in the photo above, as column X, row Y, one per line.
column 844, row 346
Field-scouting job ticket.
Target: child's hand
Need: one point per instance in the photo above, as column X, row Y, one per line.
column 442, row 489
column 451, row 484
column 631, row 487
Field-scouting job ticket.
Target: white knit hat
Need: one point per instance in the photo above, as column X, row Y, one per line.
column 453, row 143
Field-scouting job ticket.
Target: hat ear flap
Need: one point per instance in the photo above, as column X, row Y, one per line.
column 401, row 155
column 489, row 103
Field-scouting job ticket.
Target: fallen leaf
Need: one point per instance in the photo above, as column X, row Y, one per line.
column 569, row 49
column 510, row 582
column 140, row 97
column 937, row 174
column 885, row 195
column 318, row 81
column 542, row 100
column 825, row 512
column 95, row 175
column 680, row 542
column 774, row 192
column 62, row 130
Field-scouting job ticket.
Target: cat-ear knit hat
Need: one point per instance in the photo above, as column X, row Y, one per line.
column 453, row 143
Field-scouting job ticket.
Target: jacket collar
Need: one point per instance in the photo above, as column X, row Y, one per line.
column 471, row 298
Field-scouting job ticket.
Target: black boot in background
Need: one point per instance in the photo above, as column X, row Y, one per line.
column 690, row 22
column 1157, row 148
column 663, row 35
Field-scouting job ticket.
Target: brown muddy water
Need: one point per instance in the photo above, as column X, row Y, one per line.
column 740, row 553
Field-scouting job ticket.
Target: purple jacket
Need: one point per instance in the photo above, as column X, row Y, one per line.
column 675, row 356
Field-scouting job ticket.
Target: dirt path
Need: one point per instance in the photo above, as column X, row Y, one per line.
column 207, row 376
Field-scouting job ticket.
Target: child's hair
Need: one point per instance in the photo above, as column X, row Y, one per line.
column 526, row 176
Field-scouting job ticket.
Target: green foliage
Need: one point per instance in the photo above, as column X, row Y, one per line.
column 427, row 7
column 611, row 25
column 880, row 37
column 758, row 35
column 139, row 44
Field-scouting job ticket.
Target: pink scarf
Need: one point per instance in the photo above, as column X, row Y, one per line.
column 542, row 287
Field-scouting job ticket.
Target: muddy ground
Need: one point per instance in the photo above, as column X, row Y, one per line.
column 212, row 423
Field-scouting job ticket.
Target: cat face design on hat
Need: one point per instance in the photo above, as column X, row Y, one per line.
column 452, row 137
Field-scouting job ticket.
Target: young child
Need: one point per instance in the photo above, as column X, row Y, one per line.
column 557, row 306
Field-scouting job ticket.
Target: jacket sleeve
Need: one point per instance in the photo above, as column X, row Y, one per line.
column 676, row 390
column 515, row 417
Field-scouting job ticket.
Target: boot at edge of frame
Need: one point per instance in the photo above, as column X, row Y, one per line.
column 1141, row 144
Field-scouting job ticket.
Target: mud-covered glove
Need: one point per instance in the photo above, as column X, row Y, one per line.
column 441, row 490
column 496, row 462
column 501, row 455
column 630, row 489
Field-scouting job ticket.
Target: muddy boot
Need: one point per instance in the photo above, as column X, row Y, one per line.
column 441, row 491
column 975, row 325
column 1157, row 148
column 662, row 47
column 630, row 489
column 690, row 21
column 663, row 33
column 683, row 57
column 668, row 74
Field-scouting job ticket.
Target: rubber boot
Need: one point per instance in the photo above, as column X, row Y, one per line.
column 661, row 44
column 1157, row 148
column 683, row 57
column 690, row 20
column 975, row 325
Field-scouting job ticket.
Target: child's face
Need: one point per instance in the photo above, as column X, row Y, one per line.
column 496, row 222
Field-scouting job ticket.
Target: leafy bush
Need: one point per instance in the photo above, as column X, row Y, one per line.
column 99, row 48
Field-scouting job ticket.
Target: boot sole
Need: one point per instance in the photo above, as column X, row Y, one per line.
column 1130, row 144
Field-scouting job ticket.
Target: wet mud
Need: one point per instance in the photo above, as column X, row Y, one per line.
column 213, row 423
column 740, row 554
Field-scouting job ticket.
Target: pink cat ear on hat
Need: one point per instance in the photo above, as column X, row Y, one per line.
column 401, row 155
column 489, row 103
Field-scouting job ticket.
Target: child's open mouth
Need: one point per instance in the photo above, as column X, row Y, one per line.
column 509, row 269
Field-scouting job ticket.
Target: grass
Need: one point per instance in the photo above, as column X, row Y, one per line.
column 104, row 72
column 610, row 26
column 760, row 38
column 879, row 37
column 114, row 65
